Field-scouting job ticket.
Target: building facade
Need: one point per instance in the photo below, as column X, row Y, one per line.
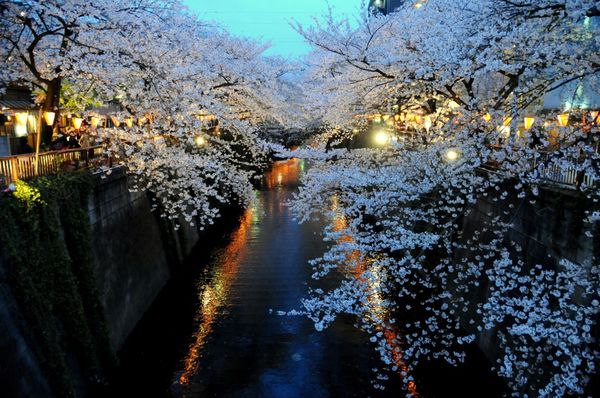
column 384, row 6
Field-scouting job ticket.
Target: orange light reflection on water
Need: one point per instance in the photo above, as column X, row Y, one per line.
column 357, row 264
column 284, row 173
column 215, row 295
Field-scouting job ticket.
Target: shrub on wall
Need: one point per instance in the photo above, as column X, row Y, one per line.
column 45, row 241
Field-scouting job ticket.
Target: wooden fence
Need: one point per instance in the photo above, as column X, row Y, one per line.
column 22, row 167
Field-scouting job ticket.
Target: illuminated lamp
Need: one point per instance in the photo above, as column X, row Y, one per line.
column 200, row 141
column 382, row 138
column 49, row 117
column 77, row 122
column 528, row 122
column 21, row 118
column 452, row 154
column 563, row 119
column 428, row 122
column 95, row 121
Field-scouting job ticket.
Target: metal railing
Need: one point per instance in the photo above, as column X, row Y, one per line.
column 569, row 176
column 22, row 167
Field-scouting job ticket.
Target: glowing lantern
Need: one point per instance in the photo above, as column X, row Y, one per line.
column 21, row 118
column 382, row 138
column 142, row 121
column 594, row 115
column 452, row 154
column 129, row 122
column 528, row 122
column 77, row 122
column 487, row 117
column 386, row 118
column 95, row 121
column 115, row 121
column 427, row 123
column 507, row 121
column 453, row 104
column 563, row 119
column 200, row 141
column 49, row 118
column 396, row 117
column 377, row 118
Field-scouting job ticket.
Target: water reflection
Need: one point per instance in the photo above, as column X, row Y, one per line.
column 239, row 348
column 356, row 263
column 285, row 173
column 215, row 295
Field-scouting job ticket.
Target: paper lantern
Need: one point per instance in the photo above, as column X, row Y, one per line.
column 95, row 121
column 563, row 119
column 21, row 118
column 49, row 117
column 528, row 122
column 77, row 121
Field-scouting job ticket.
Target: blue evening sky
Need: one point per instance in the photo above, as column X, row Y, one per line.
column 269, row 19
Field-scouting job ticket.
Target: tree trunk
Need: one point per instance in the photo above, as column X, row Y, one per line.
column 52, row 104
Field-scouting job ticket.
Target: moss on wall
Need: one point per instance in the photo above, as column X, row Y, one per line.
column 45, row 241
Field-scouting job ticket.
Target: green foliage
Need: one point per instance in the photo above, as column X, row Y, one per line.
column 27, row 194
column 75, row 98
column 45, row 238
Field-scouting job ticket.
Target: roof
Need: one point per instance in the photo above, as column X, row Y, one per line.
column 15, row 104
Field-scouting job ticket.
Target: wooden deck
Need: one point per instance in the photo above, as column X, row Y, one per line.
column 23, row 167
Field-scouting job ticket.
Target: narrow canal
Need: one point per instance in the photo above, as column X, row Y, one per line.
column 214, row 332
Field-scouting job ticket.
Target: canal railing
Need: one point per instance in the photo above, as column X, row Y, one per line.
column 23, row 167
column 551, row 173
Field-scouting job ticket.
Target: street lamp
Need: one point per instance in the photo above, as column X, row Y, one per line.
column 452, row 154
column 382, row 138
column 200, row 141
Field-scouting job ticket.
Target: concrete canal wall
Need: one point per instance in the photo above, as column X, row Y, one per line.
column 547, row 230
column 134, row 254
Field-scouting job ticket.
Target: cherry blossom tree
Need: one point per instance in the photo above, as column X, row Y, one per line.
column 448, row 85
column 190, row 95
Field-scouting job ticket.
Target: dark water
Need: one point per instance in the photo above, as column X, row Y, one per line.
column 211, row 333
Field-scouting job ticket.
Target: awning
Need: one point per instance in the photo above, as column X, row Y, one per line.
column 16, row 104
